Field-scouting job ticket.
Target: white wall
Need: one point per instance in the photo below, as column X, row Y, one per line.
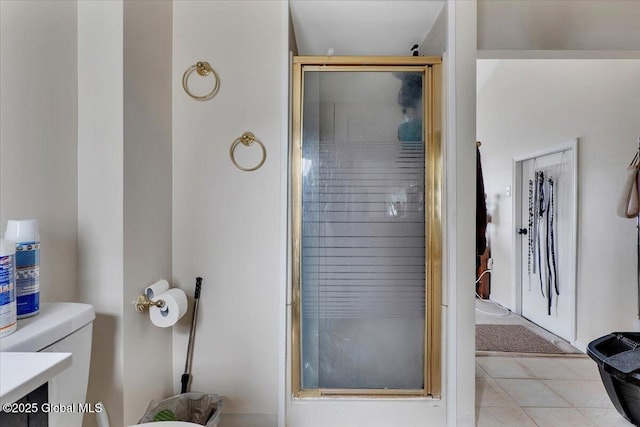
column 454, row 37
column 558, row 25
column 435, row 42
column 227, row 224
column 38, row 136
column 459, row 210
column 100, row 194
column 124, row 196
column 147, row 184
column 527, row 105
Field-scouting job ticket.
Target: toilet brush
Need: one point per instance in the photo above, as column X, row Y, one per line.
column 187, row 366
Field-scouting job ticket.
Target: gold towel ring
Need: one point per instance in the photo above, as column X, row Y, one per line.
column 247, row 139
column 203, row 69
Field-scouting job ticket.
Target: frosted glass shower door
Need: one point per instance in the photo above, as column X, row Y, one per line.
column 363, row 234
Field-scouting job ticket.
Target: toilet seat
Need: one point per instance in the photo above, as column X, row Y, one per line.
column 166, row 424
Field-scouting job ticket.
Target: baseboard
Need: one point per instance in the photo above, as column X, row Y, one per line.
column 580, row 346
column 249, row 420
column 466, row 421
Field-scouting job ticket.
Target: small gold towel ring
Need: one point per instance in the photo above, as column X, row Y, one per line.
column 203, row 69
column 247, row 139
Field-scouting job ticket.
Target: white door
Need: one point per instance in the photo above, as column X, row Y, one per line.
column 547, row 227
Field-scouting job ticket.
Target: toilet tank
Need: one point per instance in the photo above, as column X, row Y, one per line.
column 59, row 327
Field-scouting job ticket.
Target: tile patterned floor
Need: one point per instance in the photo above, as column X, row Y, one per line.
column 544, row 391
column 535, row 390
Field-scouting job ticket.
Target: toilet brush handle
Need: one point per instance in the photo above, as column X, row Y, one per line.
column 187, row 366
column 185, row 382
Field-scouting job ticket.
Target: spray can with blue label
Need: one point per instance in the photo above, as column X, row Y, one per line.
column 27, row 237
column 8, row 323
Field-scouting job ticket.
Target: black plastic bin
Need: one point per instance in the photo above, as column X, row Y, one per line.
column 618, row 359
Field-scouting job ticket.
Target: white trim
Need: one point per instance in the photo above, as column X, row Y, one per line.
column 517, row 222
column 571, row 145
column 284, row 219
column 516, row 299
column 449, row 216
column 460, row 170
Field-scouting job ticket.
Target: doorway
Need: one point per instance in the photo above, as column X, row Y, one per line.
column 544, row 238
column 366, row 241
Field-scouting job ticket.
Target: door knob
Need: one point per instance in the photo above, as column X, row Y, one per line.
column 522, row 231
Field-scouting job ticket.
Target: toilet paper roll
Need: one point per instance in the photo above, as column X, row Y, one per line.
column 175, row 306
column 160, row 287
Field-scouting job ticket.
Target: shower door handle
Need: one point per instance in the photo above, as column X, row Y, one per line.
column 522, row 231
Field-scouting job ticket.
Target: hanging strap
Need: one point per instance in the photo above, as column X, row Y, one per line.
column 539, row 217
column 534, row 216
column 548, row 258
column 530, row 231
column 552, row 276
column 629, row 202
column 552, row 214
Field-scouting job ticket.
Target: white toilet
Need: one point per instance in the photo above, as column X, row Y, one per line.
column 59, row 327
column 166, row 424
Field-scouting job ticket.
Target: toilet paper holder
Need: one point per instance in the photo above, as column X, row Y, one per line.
column 143, row 303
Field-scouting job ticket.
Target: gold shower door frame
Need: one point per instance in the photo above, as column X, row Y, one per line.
column 432, row 98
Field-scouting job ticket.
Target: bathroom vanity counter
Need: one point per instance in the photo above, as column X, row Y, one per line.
column 21, row 373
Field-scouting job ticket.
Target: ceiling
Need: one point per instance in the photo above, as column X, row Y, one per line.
column 362, row 27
